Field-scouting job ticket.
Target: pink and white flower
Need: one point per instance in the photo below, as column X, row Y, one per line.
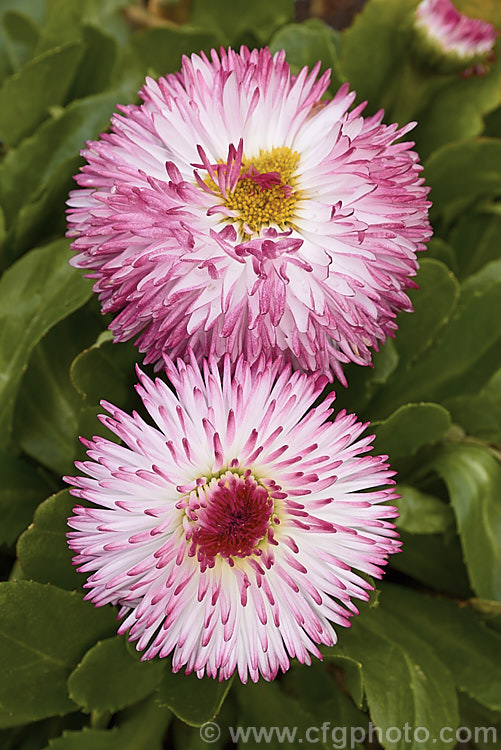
column 237, row 211
column 457, row 39
column 235, row 531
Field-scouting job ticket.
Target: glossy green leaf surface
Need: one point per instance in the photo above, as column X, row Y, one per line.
column 109, row 677
column 192, row 700
column 459, row 637
column 384, row 644
column 473, row 478
column 42, row 289
column 43, row 550
column 44, row 633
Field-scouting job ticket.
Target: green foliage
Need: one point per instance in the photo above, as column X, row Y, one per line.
column 411, row 427
column 421, row 513
column 43, row 82
column 462, row 173
column 44, row 633
column 374, row 47
column 23, row 488
column 426, row 649
column 192, row 700
column 459, row 637
column 473, row 477
column 110, row 678
column 384, row 644
column 42, row 550
column 309, row 42
column 237, row 21
column 42, row 289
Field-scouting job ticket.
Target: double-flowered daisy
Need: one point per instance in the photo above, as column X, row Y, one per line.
column 451, row 40
column 234, row 528
column 238, row 211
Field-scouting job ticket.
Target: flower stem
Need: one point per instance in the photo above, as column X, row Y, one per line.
column 100, row 719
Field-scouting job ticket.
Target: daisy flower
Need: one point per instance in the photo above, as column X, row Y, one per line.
column 237, row 211
column 451, row 40
column 235, row 530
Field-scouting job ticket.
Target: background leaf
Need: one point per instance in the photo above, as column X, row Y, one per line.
column 192, row 700
column 23, row 488
column 43, row 551
column 110, row 677
column 459, row 637
column 42, row 289
column 41, row 83
column 44, row 633
column 421, row 513
column 473, row 479
column 384, row 645
column 308, row 42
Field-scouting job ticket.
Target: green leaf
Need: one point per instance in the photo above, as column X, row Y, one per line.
column 21, row 490
column 106, row 371
column 485, row 725
column 440, row 250
column 21, row 34
column 141, row 727
column 3, row 234
column 43, row 550
column 409, row 428
column 433, row 303
column 493, row 123
column 265, row 706
column 32, row 8
column 421, row 513
column 353, row 674
column 473, row 478
column 192, row 700
column 485, row 606
column 26, row 96
column 48, row 413
column 435, row 560
column 43, row 634
column 87, row 739
column 95, row 71
column 456, row 111
column 55, row 142
column 488, row 10
column 161, row 49
column 465, row 353
column 308, row 42
column 373, row 48
column 62, row 24
column 404, row 680
column 475, row 238
column 479, row 414
column 471, row 651
column 237, row 21
column 462, row 173
column 44, row 218
column 363, row 382
column 320, row 695
column 110, row 678
column 35, row 293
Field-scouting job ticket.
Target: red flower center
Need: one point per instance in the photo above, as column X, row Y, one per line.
column 229, row 517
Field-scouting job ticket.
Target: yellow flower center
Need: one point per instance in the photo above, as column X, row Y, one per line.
column 265, row 193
